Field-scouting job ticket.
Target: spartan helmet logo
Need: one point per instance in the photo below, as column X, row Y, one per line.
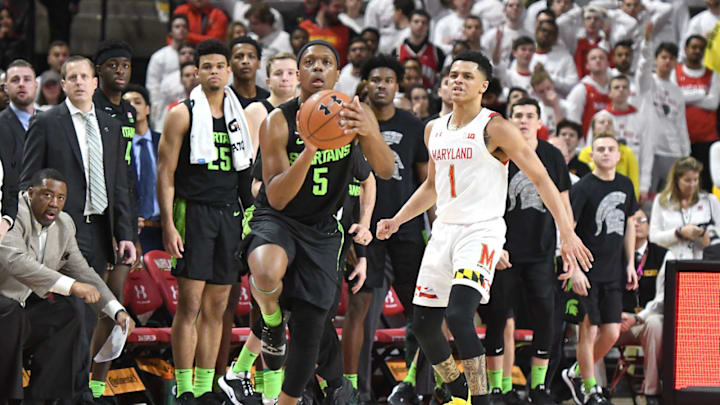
column 521, row 187
column 613, row 217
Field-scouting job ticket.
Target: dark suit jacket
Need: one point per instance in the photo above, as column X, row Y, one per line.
column 155, row 143
column 51, row 142
column 12, row 139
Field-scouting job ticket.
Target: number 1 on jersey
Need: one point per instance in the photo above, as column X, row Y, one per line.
column 452, row 181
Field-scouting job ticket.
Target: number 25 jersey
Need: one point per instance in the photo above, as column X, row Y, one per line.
column 471, row 184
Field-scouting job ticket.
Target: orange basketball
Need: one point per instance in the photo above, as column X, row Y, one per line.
column 319, row 119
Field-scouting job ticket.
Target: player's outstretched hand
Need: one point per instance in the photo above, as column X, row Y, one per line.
column 632, row 278
column 504, row 262
column 574, row 252
column 356, row 120
column 362, row 236
column 386, row 227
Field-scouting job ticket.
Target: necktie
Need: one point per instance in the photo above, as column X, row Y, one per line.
column 146, row 207
column 98, row 192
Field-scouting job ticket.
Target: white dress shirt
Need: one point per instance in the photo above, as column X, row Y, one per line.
column 79, row 124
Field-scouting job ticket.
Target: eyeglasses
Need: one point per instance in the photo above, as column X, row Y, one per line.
column 641, row 220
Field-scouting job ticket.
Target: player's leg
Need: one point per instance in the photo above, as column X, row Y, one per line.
column 539, row 281
column 184, row 333
column 115, row 280
column 353, row 332
column 495, row 317
column 269, row 262
column 209, row 329
column 339, row 390
column 307, row 325
column 427, row 322
column 508, row 356
column 587, row 333
column 226, row 334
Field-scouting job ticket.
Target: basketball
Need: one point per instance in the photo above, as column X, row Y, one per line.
column 319, row 120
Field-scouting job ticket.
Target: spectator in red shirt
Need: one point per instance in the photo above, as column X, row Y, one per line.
column 214, row 28
column 326, row 26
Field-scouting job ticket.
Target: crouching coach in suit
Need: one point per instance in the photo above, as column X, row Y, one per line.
column 42, row 275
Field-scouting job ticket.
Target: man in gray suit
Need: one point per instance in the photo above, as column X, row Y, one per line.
column 40, row 255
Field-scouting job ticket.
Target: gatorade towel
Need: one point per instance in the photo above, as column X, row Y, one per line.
column 712, row 51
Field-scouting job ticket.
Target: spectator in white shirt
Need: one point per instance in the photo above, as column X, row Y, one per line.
column 353, row 16
column 554, row 57
column 715, row 164
column 518, row 73
column 473, row 31
column 392, row 38
column 704, row 22
column 628, row 21
column 273, row 41
column 163, row 63
column 683, row 216
column 624, row 66
column 701, row 89
column 552, row 108
column 492, row 12
column 240, row 9
column 512, row 29
column 171, row 89
column 582, row 30
column 450, row 28
column 350, row 77
column 668, row 140
column 557, row 7
column 591, row 94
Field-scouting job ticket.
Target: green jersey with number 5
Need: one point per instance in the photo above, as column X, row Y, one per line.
column 216, row 182
column 326, row 183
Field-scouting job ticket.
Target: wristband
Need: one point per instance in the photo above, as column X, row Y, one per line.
column 678, row 234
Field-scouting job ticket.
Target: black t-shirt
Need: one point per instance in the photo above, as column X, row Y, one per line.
column 404, row 134
column 326, row 183
column 531, row 232
column 260, row 94
column 213, row 183
column 577, row 167
column 601, row 209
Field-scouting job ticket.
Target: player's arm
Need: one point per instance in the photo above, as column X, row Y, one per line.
column 255, row 113
column 175, row 127
column 361, row 120
column 422, row 199
column 632, row 277
column 565, row 195
column 282, row 180
column 368, row 192
column 507, row 137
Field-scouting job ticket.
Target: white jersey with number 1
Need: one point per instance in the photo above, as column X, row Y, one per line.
column 469, row 232
column 471, row 184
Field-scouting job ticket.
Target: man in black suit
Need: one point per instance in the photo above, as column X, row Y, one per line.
column 84, row 143
column 20, row 87
column 144, row 154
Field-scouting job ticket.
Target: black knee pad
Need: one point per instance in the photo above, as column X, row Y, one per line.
column 460, row 315
column 542, row 312
column 427, row 326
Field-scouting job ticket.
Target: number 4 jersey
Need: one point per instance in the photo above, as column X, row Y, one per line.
column 471, row 184
column 214, row 183
column 326, row 182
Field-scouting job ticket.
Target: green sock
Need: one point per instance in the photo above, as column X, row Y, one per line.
column 245, row 360
column 273, row 320
column 272, row 382
column 589, row 383
column 506, row 384
column 352, row 378
column 259, row 381
column 97, row 388
column 495, row 379
column 203, row 381
column 410, row 377
column 323, row 385
column 184, row 378
column 537, row 375
column 438, row 380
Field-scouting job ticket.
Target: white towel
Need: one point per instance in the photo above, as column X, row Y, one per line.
column 202, row 143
